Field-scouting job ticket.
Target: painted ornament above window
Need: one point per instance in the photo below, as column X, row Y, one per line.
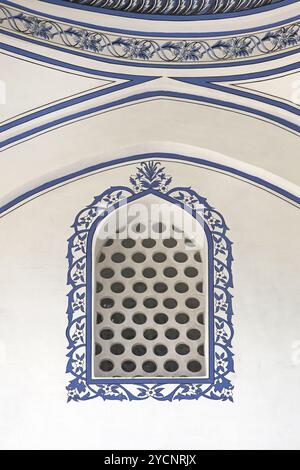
column 117, row 370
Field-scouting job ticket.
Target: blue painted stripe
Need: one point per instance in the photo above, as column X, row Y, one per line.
column 133, row 80
column 154, row 34
column 245, row 94
column 75, row 68
column 251, row 75
column 140, row 96
column 101, row 74
column 68, row 103
column 225, row 168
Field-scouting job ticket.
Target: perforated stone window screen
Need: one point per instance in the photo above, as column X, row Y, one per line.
column 150, row 301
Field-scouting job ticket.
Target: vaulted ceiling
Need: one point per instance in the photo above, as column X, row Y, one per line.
column 177, row 7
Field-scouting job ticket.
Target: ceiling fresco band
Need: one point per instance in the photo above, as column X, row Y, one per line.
column 177, row 7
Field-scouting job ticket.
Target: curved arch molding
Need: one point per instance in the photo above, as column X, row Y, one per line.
column 150, row 179
column 68, row 178
column 276, row 119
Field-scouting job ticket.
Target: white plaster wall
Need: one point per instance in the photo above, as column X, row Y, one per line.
column 48, row 86
column 265, row 412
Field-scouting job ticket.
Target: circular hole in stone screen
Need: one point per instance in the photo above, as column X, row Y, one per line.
column 117, row 349
column 117, row 317
column 107, row 302
column 148, row 243
column 117, row 287
column 128, row 243
column 118, row 257
column 128, row 366
column 172, row 333
column 139, row 350
column 129, row 303
column 138, row 257
column 161, row 318
column 171, row 366
column 194, row 366
column 139, row 287
column 139, row 318
column 150, row 334
column 128, row 333
column 107, row 273
column 160, row 350
column 106, row 334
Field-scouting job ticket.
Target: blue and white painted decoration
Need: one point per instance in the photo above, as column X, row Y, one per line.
column 150, row 178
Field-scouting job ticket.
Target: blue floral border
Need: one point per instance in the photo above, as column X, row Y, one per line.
column 150, row 178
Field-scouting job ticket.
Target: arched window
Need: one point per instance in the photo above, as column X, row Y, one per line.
column 150, row 305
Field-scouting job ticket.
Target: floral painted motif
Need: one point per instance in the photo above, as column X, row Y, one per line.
column 235, row 47
column 36, row 27
column 283, row 37
column 134, row 48
column 184, row 51
column 150, row 50
column 150, row 178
